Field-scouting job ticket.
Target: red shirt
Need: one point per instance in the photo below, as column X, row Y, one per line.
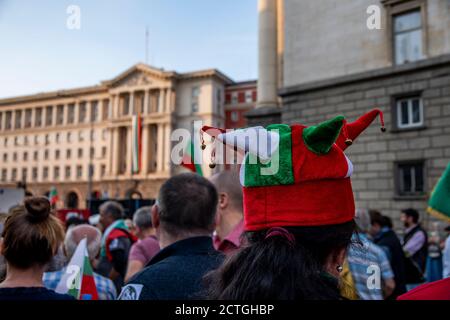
column 438, row 290
column 232, row 241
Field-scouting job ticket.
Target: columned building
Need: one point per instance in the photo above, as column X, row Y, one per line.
column 53, row 139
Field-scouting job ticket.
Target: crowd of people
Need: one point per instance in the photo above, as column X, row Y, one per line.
column 192, row 245
column 283, row 230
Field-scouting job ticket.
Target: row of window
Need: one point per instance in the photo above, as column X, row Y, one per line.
column 44, row 116
column 195, row 99
column 57, row 155
column 57, row 173
column 57, row 138
column 247, row 98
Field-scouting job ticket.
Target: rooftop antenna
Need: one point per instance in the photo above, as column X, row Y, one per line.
column 146, row 44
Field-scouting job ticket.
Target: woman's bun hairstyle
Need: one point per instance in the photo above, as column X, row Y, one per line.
column 38, row 209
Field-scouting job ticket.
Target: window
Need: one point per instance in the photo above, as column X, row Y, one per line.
column 57, row 154
column 195, row 99
column 48, row 115
column 5, row 142
column 79, row 171
column 56, row 172
column 45, row 173
column 104, row 134
column 409, row 112
column 34, row 174
column 407, row 37
column 5, row 157
column 8, row 120
column 92, row 135
column 36, row 140
column 16, row 141
column 248, row 96
column 69, row 137
column 103, row 170
column 71, row 113
column 25, row 156
column 57, row 138
column 4, row 173
column 28, row 118
column 59, row 114
column 105, row 111
column 14, row 174
column 80, row 153
column 46, row 155
column 234, row 97
column 38, row 117
column 410, row 178
column 103, row 152
column 235, row 116
column 47, row 139
column 125, row 104
column 25, row 140
column 91, row 152
column 68, row 153
column 94, row 111
column 15, row 156
column 68, row 172
column 80, row 136
column 35, row 156
column 24, row 174
column 82, row 112
column 18, row 120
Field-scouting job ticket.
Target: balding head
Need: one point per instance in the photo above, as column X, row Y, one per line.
column 228, row 182
column 77, row 233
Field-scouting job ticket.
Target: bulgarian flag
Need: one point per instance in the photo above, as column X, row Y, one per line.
column 53, row 197
column 78, row 279
column 136, row 126
column 188, row 160
column 439, row 203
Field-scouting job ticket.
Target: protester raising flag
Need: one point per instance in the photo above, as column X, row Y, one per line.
column 78, row 281
column 53, row 197
column 439, row 203
column 188, row 160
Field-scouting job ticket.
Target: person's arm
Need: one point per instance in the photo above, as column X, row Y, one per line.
column 415, row 243
column 387, row 274
column 134, row 266
column 118, row 249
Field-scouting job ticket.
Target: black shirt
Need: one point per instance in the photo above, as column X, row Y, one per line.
column 32, row 293
column 175, row 273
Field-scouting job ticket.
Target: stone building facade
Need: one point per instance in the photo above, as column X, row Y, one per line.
column 347, row 57
column 53, row 139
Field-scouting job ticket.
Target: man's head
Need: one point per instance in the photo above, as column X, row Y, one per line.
column 110, row 211
column 77, row 233
column 230, row 204
column 409, row 217
column 142, row 220
column 362, row 220
column 186, row 207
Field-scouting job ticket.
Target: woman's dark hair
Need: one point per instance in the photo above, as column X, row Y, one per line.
column 31, row 235
column 275, row 268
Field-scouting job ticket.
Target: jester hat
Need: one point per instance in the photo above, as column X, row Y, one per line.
column 296, row 175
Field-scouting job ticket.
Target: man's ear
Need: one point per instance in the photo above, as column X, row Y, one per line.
column 1, row 246
column 223, row 200
column 155, row 217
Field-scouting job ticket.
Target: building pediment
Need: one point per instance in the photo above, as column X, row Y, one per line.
column 140, row 75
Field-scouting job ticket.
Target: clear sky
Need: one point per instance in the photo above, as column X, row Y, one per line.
column 39, row 53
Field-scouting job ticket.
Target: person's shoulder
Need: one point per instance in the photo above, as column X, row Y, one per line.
column 438, row 290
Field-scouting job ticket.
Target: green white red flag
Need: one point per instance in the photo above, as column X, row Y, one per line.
column 188, row 160
column 78, row 279
column 439, row 203
column 136, row 126
column 53, row 197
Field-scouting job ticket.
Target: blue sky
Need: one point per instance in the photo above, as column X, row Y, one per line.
column 39, row 53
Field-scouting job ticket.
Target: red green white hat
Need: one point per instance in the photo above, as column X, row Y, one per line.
column 296, row 175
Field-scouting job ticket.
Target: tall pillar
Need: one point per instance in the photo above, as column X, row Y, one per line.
column 161, row 101
column 267, row 110
column 54, row 114
column 115, row 106
column 169, row 100
column 145, row 149
column 129, row 152
column 131, row 101
column 65, row 113
column 114, row 151
column 160, row 149
column 167, row 147
column 146, row 97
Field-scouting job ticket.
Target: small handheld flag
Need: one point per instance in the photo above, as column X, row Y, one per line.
column 439, row 203
column 53, row 197
column 188, row 160
column 78, row 280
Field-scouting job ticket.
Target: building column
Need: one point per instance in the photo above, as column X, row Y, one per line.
column 131, row 101
column 114, row 154
column 160, row 149
column 129, row 152
column 146, row 96
column 88, row 111
column 114, row 106
column 169, row 100
column 13, row 119
column 145, row 149
column 65, row 114
column 161, row 101
column 54, row 109
column 3, row 124
column 22, row 120
column 167, row 148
